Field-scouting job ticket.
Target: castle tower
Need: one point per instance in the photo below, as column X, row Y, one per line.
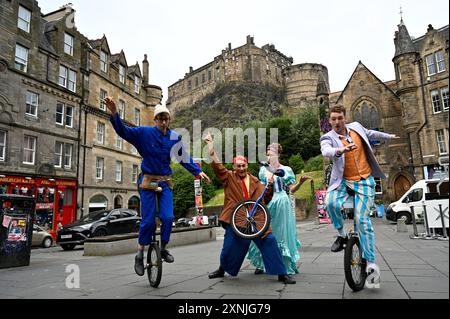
column 407, row 65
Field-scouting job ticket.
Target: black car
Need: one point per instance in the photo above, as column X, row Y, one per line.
column 96, row 224
column 183, row 222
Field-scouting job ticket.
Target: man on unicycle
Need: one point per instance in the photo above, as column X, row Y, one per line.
column 154, row 144
column 354, row 168
column 240, row 185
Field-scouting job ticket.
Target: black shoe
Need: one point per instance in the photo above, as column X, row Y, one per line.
column 219, row 273
column 168, row 258
column 139, row 265
column 339, row 244
column 258, row 271
column 287, row 279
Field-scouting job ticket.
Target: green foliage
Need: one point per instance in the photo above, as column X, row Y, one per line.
column 314, row 164
column 296, row 163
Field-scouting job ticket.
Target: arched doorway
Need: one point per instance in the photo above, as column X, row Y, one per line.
column 134, row 203
column 118, row 201
column 401, row 185
column 98, row 202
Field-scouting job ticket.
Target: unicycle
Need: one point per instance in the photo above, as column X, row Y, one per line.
column 354, row 263
column 250, row 219
column 154, row 259
column 154, row 262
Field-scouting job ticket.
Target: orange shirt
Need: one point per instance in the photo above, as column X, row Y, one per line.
column 356, row 165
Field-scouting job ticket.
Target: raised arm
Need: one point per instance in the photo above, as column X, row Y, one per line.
column 220, row 170
column 130, row 134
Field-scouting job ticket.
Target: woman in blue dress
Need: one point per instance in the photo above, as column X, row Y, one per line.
column 282, row 216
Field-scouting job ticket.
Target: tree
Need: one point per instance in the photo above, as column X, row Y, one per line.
column 296, row 163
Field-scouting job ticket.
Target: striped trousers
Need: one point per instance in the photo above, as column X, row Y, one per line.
column 364, row 201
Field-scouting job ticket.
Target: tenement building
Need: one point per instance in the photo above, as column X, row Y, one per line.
column 56, row 142
column 414, row 106
column 305, row 83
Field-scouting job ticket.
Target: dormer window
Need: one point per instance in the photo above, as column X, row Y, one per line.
column 104, row 61
column 122, row 74
column 24, row 19
column 68, row 44
column 137, row 84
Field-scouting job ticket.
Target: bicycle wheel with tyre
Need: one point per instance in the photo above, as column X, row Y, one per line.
column 247, row 225
column 154, row 265
column 354, row 264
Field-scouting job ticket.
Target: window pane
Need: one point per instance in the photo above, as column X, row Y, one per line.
column 121, row 109
column 119, row 142
column 2, row 146
column 29, row 149
column 21, row 60
column 32, row 103
column 103, row 61
column 440, row 61
column 69, row 116
column 62, row 76
column 58, row 154
column 103, row 94
column 59, row 113
column 68, row 44
column 99, row 168
column 137, row 117
column 24, row 19
column 436, row 101
column 441, row 142
column 374, row 119
column 118, row 171
column 72, row 81
column 430, row 64
column 122, row 73
column 444, row 92
column 100, row 132
column 68, row 155
column 365, row 115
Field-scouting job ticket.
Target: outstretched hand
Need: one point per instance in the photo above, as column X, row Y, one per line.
column 205, row 177
column 209, row 139
column 110, row 104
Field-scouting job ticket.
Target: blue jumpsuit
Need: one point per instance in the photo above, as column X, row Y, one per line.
column 155, row 149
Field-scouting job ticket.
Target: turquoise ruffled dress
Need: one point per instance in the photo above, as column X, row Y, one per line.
column 282, row 221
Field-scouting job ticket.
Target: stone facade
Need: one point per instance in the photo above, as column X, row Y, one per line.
column 29, row 96
column 414, row 106
column 250, row 63
column 50, row 82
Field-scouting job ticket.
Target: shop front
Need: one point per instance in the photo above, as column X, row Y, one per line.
column 55, row 199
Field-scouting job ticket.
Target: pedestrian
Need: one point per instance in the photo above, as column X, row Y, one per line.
column 154, row 144
column 353, row 171
column 240, row 185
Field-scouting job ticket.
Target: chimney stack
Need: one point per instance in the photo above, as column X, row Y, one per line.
column 145, row 67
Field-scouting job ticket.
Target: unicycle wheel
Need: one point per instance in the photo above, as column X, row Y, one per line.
column 354, row 264
column 154, row 265
column 246, row 226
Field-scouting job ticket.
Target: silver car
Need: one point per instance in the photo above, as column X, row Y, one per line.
column 41, row 237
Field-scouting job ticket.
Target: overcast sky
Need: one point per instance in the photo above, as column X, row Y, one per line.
column 176, row 34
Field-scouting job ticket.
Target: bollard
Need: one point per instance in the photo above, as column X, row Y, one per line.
column 401, row 225
column 427, row 229
column 444, row 229
column 415, row 235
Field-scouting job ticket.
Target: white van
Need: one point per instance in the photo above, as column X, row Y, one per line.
column 424, row 192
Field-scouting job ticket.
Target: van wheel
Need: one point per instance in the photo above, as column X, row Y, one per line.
column 407, row 215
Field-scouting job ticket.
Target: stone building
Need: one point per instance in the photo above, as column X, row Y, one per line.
column 51, row 132
column 248, row 63
column 414, row 106
column 112, row 165
column 41, row 65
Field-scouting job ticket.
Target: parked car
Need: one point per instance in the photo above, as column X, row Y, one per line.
column 423, row 192
column 41, row 237
column 96, row 224
column 182, row 222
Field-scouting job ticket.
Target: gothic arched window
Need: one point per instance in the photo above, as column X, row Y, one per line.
column 367, row 115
